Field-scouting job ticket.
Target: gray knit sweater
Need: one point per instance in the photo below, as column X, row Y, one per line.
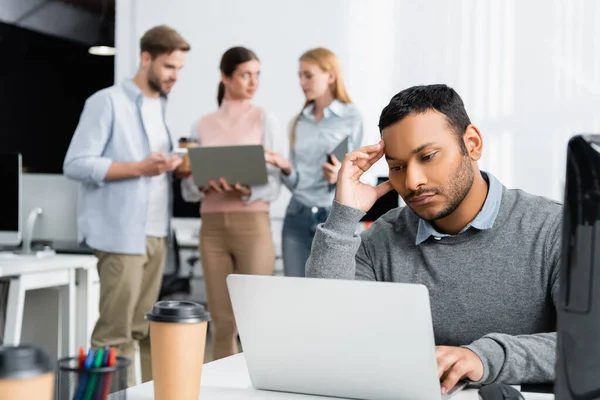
column 493, row 291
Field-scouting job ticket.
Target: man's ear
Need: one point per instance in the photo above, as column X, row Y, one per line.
column 473, row 142
column 145, row 59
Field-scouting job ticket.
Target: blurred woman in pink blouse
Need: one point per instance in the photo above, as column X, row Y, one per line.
column 235, row 235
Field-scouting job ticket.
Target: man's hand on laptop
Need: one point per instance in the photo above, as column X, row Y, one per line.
column 350, row 190
column 456, row 363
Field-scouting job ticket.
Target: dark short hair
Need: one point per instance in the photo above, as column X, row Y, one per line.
column 420, row 99
column 162, row 39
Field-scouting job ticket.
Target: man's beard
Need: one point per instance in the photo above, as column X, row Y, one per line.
column 461, row 182
column 154, row 83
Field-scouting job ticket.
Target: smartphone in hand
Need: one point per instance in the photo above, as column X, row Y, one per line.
column 339, row 152
column 179, row 151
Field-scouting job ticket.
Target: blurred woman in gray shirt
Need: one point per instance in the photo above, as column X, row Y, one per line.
column 326, row 120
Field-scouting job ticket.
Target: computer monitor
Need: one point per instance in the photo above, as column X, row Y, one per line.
column 56, row 196
column 578, row 308
column 10, row 201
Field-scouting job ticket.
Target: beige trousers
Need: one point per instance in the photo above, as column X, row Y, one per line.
column 129, row 287
column 232, row 242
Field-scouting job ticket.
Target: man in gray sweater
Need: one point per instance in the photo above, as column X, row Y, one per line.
column 488, row 255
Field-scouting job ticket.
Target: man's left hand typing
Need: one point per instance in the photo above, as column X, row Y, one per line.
column 456, row 363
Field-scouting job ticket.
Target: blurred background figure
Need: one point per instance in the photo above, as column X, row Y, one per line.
column 235, row 235
column 326, row 120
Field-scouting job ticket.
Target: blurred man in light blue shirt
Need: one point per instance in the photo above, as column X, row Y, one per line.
column 120, row 153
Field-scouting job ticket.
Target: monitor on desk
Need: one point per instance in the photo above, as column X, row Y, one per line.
column 10, row 201
column 578, row 306
column 56, row 196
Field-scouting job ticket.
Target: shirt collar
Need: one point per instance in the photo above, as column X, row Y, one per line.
column 484, row 220
column 134, row 92
column 336, row 108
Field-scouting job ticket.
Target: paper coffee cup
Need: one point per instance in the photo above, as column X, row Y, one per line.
column 26, row 373
column 177, row 344
column 184, row 170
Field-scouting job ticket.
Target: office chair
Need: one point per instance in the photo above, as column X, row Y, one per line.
column 173, row 283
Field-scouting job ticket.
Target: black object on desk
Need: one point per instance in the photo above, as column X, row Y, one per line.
column 64, row 247
column 578, row 306
column 537, row 388
column 498, row 391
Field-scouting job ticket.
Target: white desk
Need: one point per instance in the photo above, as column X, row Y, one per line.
column 87, row 309
column 228, row 379
column 30, row 272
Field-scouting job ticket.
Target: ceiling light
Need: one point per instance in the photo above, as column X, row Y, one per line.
column 104, row 44
column 102, row 50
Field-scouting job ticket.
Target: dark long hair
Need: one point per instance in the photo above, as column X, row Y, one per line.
column 229, row 62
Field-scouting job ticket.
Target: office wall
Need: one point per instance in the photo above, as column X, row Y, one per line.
column 529, row 72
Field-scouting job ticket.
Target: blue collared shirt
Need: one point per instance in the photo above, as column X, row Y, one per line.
column 313, row 142
column 111, row 216
column 484, row 220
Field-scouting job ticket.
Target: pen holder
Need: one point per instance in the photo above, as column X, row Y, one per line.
column 74, row 383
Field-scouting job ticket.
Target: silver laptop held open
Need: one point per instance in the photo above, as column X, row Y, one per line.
column 353, row 339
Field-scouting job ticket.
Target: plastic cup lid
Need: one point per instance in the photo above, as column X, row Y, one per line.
column 178, row 312
column 22, row 362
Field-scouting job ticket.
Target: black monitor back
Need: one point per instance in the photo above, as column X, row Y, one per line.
column 578, row 347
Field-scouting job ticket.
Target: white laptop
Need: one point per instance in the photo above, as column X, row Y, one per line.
column 351, row 339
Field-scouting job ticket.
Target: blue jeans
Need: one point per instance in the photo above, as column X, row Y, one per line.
column 299, row 228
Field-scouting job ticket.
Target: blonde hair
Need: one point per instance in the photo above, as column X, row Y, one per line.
column 327, row 61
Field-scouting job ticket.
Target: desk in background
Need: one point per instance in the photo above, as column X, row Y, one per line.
column 228, row 379
column 25, row 273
